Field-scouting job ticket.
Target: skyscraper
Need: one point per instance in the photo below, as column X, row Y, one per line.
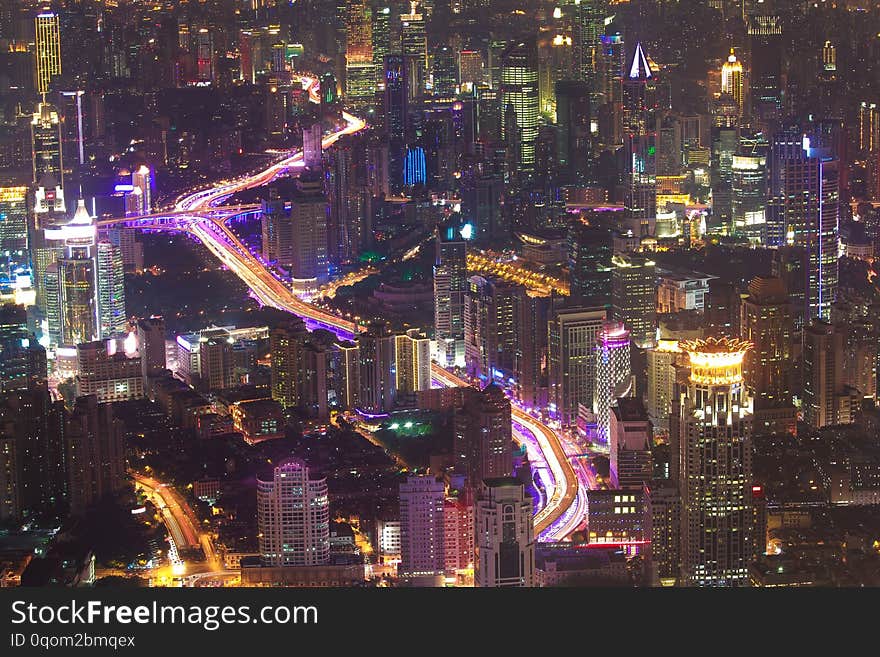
column 732, row 81
column 360, row 71
column 714, row 439
column 765, row 86
column 639, row 112
column 505, row 541
column 450, row 284
column 482, row 435
column 588, row 25
column 46, row 146
column 412, row 352
column 489, row 327
column 633, row 296
column 414, row 45
column 293, row 517
column 573, row 138
column 377, row 375
column 629, row 447
column 110, row 274
column 48, row 50
column 613, row 375
column 22, row 358
column 422, row 527
column 397, row 72
column 590, row 250
column 826, row 398
column 13, row 227
column 519, row 90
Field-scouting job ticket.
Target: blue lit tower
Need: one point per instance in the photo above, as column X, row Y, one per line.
column 640, row 142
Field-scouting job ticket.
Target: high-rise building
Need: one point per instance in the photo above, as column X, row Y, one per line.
column 613, row 375
column 530, row 367
column 766, row 322
column 714, row 439
column 470, row 69
column 397, row 119
column 612, row 69
column 450, row 285
column 142, row 179
column 293, row 517
column 22, row 358
column 662, row 360
column 151, row 345
column 588, row 26
column 378, row 390
column 519, row 90
column 765, row 84
column 574, row 154
column 312, row 149
column 110, row 274
column 443, row 72
column 639, row 124
column 458, row 540
column 633, row 296
column 804, row 211
column 48, row 50
column 381, row 34
column 46, row 148
column 631, row 438
column 748, row 190
column 490, row 334
column 360, row 69
column 572, row 334
column 590, row 249
column 414, row 45
column 732, row 81
column 422, row 528
column 482, row 435
column 826, row 398
column 110, row 376
column 505, row 535
column 95, row 453
column 412, row 353
column 13, row 227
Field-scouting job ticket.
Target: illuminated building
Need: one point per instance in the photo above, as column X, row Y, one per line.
column 505, row 539
column 589, row 263
column 13, row 226
column 216, row 361
column 412, row 353
column 381, row 36
column 110, row 279
column 458, row 539
column 151, row 345
column 414, row 46
column 530, row 366
column 573, row 137
column 450, row 285
column 663, row 529
column 414, row 167
column 804, row 210
column 422, row 528
column 397, row 127
column 639, row 106
column 765, row 84
column 482, row 442
column 258, row 420
column 681, row 290
column 286, row 344
column 377, row 376
column 572, row 334
column 714, row 438
column 869, row 127
column 616, row 516
column 490, row 328
column 732, row 81
column 48, row 50
column 443, row 72
column 554, row 65
column 470, row 69
column 293, row 517
column 725, row 143
column 588, row 25
column 312, row 146
column 142, row 179
column 827, row 399
column 633, row 296
column 204, row 47
column 22, row 358
column 766, row 321
column 48, row 168
column 111, row 377
column 519, row 90
column 749, row 193
column 95, row 454
column 629, row 445
column 662, row 361
column 613, row 375
column 360, row 69
column 612, row 68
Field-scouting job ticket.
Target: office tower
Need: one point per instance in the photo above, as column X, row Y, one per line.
column 312, row 153
column 490, row 337
column 112, row 319
column 377, row 377
column 412, row 352
column 826, row 398
column 725, row 143
column 132, row 249
column 32, row 460
column 590, row 249
column 530, row 366
column 470, row 69
column 714, row 438
column 450, row 285
column 13, row 227
column 348, row 373
column 422, row 527
column 555, row 64
column 639, row 124
column 613, row 375
column 48, row 50
column 732, row 81
column 766, row 321
column 443, row 72
column 360, row 71
column 631, row 438
column 78, row 316
column 46, row 148
column 381, row 35
column 588, row 18
column 749, row 194
column 482, row 440
column 765, row 85
column 216, row 362
column 414, row 46
column 663, row 529
column 519, row 91
column 142, row 179
column 204, row 51
column 293, row 517
column 633, row 296
column 572, row 334
column 662, row 360
column 151, row 345
column 108, row 375
column 573, row 138
column 95, row 453
column 458, row 539
column 505, row 539
column 612, row 68
column 73, row 131
column 397, row 119
column 285, row 345
column 22, row 358
column 804, row 210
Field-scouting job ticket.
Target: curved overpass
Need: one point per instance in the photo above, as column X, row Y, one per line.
column 199, row 214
